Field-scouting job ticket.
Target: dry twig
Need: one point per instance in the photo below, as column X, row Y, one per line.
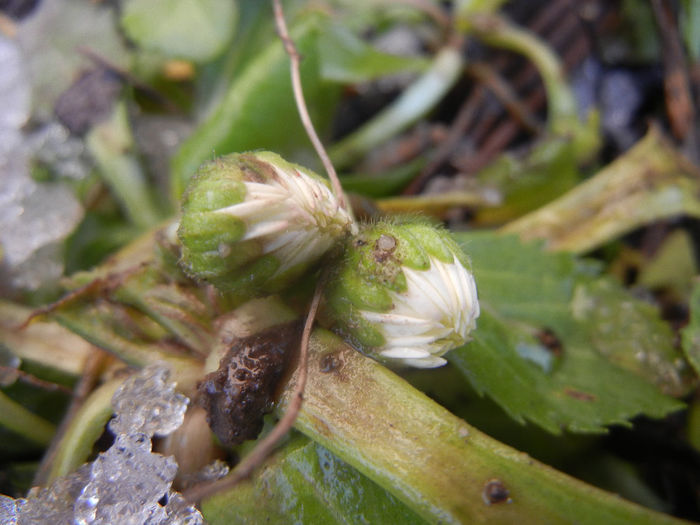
column 294, row 58
column 32, row 380
column 679, row 102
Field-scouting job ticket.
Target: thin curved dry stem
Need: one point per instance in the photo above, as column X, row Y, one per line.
column 263, row 449
column 294, row 58
column 31, row 379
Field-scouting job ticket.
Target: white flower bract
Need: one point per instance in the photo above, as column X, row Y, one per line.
column 296, row 217
column 433, row 315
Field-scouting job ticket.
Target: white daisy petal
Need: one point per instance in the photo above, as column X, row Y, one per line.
column 425, row 362
column 299, row 210
column 262, row 229
column 405, row 353
column 433, row 315
column 395, row 318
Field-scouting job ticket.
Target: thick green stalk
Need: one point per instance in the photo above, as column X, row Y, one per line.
column 413, row 104
column 20, row 420
column 434, row 462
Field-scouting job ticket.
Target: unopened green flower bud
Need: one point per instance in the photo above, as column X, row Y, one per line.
column 405, row 293
column 253, row 222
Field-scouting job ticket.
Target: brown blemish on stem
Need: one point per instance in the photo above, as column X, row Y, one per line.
column 495, row 492
column 332, row 362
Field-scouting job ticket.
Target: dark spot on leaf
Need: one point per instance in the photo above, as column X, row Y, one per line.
column 495, row 492
column 241, row 391
column 549, row 340
column 581, row 396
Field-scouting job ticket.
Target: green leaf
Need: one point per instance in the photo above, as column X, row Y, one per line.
column 196, row 30
column 381, row 185
column 649, row 182
column 672, row 267
column 527, row 183
column 547, row 347
column 690, row 335
column 690, row 25
column 346, row 58
column 629, row 333
column 305, row 483
column 258, row 111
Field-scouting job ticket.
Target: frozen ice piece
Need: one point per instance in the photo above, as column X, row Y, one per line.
column 9, row 510
column 127, row 484
column 163, row 412
column 55, row 503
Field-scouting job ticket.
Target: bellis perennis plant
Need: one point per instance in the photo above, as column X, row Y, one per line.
column 401, row 292
column 254, row 222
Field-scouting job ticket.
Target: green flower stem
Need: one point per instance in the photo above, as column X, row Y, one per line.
column 109, row 143
column 94, row 325
column 436, row 205
column 85, row 428
column 432, row 461
column 20, row 420
column 497, row 31
column 413, row 104
column 649, row 182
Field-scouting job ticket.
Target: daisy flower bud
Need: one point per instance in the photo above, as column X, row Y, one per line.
column 404, row 293
column 252, row 222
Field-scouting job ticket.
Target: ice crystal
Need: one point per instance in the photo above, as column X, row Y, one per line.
column 128, row 484
column 163, row 413
column 34, row 218
column 9, row 510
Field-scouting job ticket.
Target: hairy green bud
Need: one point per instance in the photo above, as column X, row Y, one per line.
column 252, row 222
column 403, row 293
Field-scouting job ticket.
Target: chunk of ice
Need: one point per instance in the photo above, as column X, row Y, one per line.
column 9, row 510
column 163, row 413
column 34, row 218
column 127, row 483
